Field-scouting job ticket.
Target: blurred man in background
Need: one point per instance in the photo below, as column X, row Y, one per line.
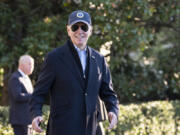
column 20, row 89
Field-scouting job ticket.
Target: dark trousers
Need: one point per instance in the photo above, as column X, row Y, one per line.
column 20, row 129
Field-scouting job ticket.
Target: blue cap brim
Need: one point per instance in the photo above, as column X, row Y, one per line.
column 79, row 21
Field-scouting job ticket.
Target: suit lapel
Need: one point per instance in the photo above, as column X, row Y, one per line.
column 92, row 67
column 70, row 63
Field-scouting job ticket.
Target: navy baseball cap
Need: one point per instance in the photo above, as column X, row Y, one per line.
column 79, row 16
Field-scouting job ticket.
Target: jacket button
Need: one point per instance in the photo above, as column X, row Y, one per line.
column 85, row 94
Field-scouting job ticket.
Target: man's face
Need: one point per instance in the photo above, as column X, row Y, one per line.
column 79, row 34
column 28, row 66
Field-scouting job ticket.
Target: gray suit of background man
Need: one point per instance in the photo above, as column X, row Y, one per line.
column 20, row 89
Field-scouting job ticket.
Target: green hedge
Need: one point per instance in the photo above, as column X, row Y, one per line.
column 151, row 118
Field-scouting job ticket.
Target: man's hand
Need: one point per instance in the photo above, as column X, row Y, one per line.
column 36, row 124
column 112, row 119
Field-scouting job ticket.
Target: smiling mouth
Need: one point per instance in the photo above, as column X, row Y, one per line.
column 79, row 36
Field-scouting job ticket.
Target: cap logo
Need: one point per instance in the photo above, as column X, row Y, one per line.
column 80, row 15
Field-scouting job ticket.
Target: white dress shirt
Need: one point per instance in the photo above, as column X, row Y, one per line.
column 83, row 56
column 27, row 82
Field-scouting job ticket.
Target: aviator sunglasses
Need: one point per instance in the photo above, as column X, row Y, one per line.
column 75, row 27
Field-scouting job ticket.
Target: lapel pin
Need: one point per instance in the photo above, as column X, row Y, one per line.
column 93, row 57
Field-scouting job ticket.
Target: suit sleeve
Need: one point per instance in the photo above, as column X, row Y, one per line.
column 42, row 87
column 15, row 87
column 107, row 93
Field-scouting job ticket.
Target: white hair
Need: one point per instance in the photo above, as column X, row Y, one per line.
column 24, row 58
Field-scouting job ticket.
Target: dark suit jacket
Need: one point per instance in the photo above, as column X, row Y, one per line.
column 72, row 100
column 19, row 107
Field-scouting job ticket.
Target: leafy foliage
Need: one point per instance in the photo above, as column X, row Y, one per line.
column 155, row 118
column 142, row 35
column 5, row 128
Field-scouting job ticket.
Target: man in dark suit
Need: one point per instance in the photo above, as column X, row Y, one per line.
column 74, row 75
column 20, row 89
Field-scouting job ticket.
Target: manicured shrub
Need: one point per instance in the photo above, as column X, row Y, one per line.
column 151, row 118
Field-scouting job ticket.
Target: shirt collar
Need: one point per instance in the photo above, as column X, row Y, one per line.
column 78, row 49
column 22, row 73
